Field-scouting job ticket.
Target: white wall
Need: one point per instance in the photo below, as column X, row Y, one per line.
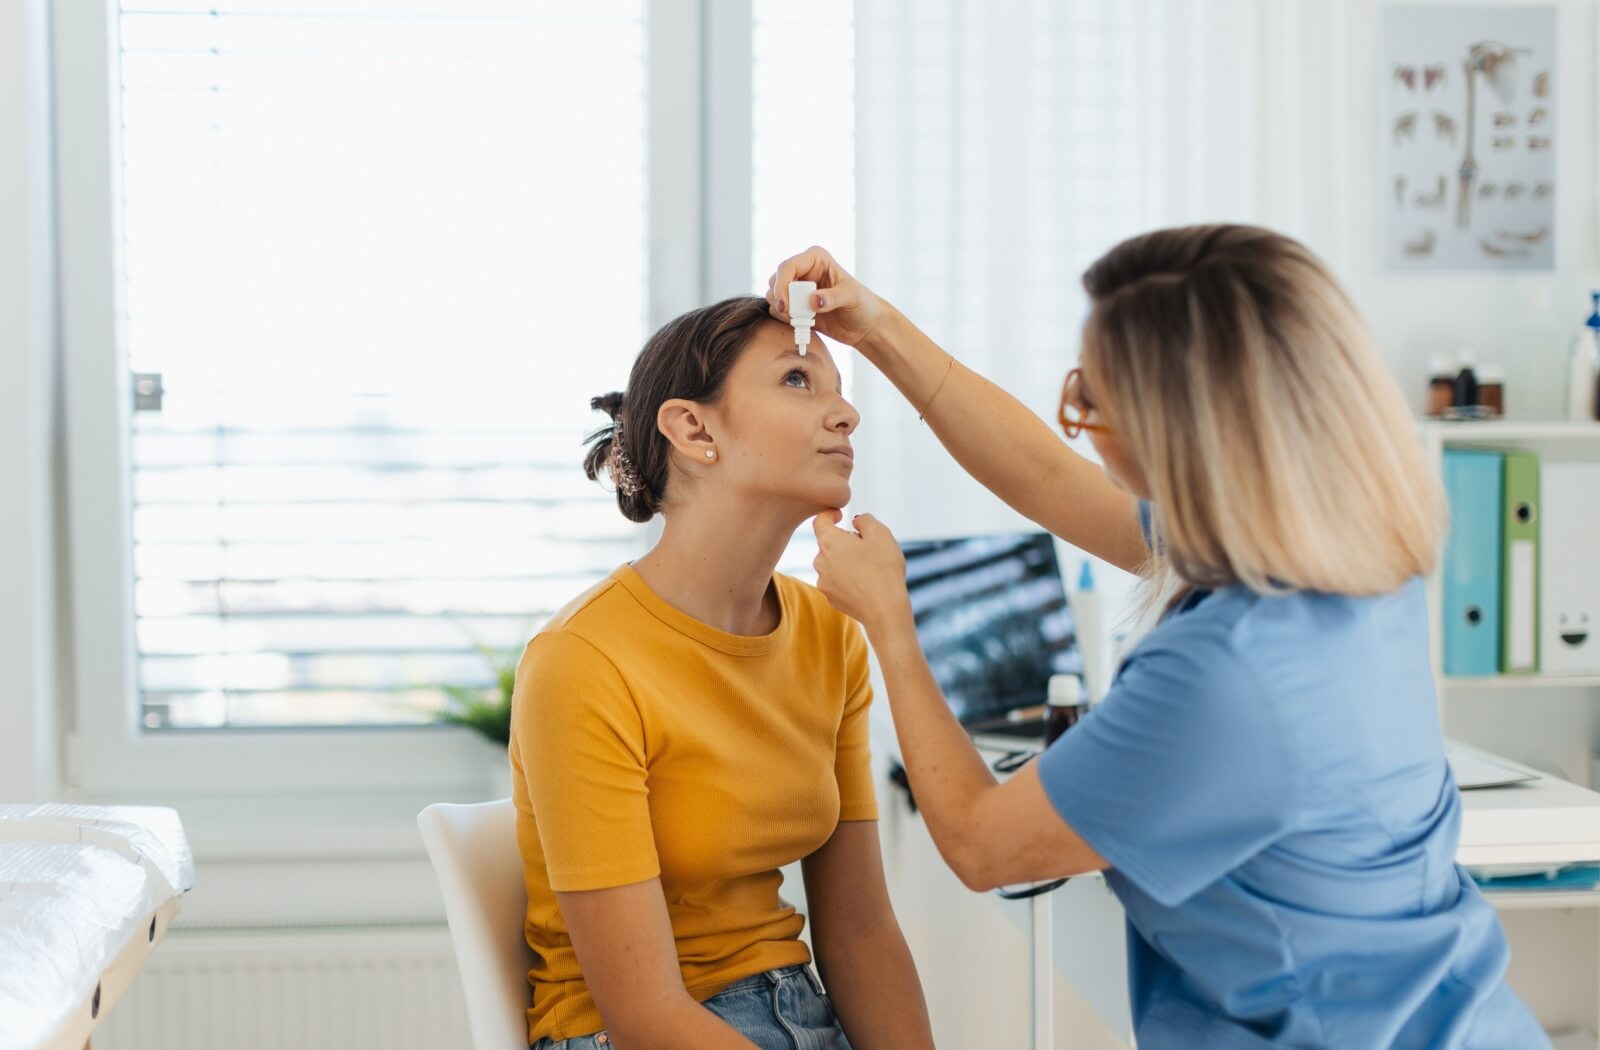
column 1316, row 137
column 28, row 397
column 1320, row 182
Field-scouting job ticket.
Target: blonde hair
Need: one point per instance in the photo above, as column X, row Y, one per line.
column 1277, row 447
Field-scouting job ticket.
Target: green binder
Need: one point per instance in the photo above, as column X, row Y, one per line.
column 1519, row 566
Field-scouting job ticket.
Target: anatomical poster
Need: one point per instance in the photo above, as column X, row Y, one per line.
column 1467, row 136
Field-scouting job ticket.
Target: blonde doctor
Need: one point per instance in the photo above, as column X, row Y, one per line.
column 1264, row 785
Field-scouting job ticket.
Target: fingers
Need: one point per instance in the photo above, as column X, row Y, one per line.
column 778, row 290
column 836, row 298
column 772, row 299
column 869, row 526
column 824, row 523
column 813, row 264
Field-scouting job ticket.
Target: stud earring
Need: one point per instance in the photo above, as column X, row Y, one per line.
column 710, row 454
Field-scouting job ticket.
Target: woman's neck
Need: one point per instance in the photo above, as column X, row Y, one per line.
column 717, row 567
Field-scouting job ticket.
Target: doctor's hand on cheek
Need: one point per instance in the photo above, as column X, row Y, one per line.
column 862, row 573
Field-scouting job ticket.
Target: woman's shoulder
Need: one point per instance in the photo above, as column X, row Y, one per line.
column 1329, row 617
column 567, row 667
column 1237, row 606
column 1240, row 635
column 1236, row 622
column 577, row 632
column 594, row 602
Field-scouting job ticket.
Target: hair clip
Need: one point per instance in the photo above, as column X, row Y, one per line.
column 622, row 469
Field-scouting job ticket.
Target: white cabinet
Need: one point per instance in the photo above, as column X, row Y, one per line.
column 1547, row 721
column 972, row 950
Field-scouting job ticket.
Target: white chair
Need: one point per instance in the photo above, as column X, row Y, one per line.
column 474, row 854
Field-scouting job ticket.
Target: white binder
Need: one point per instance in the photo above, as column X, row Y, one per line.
column 1569, row 584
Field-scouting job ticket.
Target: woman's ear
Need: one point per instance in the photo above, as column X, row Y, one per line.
column 684, row 425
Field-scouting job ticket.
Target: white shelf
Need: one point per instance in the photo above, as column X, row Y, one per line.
column 1546, row 821
column 1526, row 681
column 1553, row 440
column 1537, row 900
column 1497, row 431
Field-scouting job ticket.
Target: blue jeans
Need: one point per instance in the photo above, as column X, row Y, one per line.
column 777, row 1010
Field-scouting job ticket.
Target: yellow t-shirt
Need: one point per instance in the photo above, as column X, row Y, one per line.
column 646, row 743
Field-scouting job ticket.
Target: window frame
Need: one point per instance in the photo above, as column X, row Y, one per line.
column 693, row 49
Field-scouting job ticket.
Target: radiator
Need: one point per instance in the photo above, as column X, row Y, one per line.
column 388, row 987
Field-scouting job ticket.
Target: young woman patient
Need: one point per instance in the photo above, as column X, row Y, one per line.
column 695, row 722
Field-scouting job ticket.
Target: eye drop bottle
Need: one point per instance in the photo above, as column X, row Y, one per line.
column 801, row 313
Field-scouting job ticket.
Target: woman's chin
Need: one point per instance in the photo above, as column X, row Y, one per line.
column 830, row 497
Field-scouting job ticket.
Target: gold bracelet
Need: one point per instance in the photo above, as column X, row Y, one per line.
column 947, row 369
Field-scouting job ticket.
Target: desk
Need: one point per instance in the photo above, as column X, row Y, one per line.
column 86, row 894
column 1543, row 821
column 1555, row 949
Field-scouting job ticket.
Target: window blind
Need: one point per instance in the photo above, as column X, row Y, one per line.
column 803, row 135
column 380, row 253
column 1001, row 148
column 803, row 150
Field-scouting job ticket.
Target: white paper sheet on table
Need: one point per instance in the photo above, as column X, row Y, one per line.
column 1473, row 770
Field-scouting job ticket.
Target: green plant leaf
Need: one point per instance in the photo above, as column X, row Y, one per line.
column 486, row 710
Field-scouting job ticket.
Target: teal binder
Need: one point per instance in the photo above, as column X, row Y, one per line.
column 1475, row 484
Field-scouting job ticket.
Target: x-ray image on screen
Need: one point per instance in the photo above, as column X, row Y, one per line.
column 992, row 617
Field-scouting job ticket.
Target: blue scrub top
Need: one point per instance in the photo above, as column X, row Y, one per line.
column 1267, row 778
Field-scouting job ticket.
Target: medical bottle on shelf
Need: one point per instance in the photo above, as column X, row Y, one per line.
column 1441, row 386
column 1492, row 390
column 1465, row 401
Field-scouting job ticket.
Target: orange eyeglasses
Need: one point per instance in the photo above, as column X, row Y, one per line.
column 1073, row 414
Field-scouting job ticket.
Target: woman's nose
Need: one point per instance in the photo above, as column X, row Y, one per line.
column 847, row 419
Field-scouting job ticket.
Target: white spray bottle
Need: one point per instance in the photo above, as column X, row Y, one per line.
column 1093, row 642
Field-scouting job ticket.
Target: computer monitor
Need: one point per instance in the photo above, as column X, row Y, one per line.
column 992, row 617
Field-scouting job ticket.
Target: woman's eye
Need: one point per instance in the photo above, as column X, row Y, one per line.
column 804, row 376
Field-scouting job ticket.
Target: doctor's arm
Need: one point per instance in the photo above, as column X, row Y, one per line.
column 989, row 833
column 996, row 438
